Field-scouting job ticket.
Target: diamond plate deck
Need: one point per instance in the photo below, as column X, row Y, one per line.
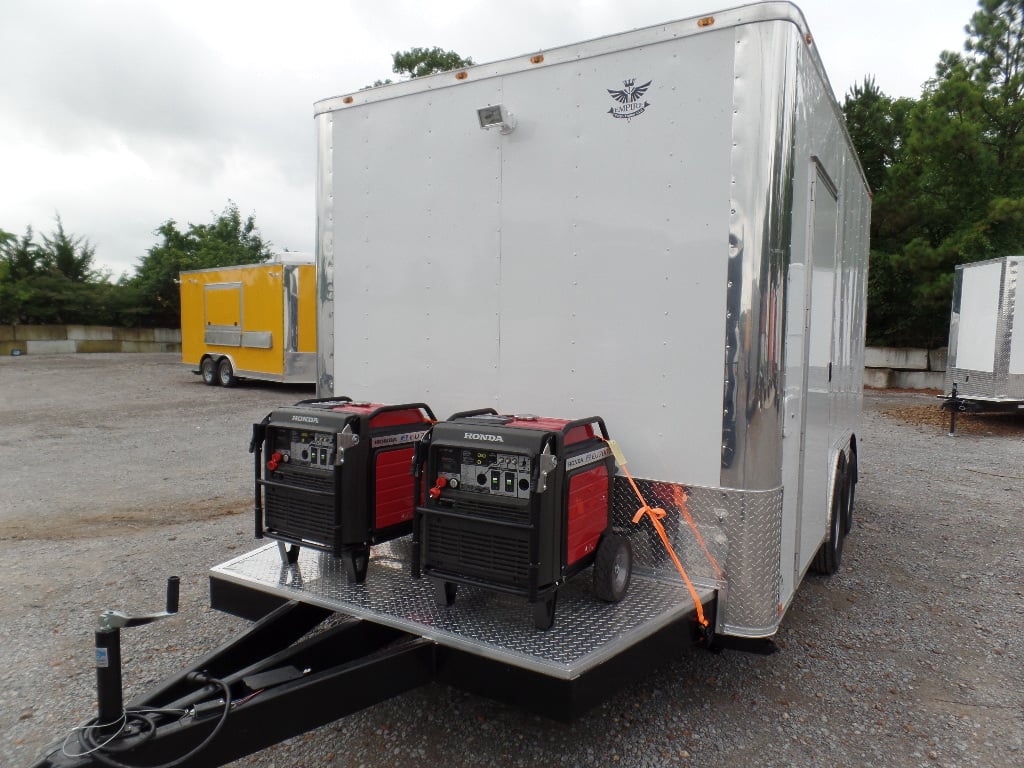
column 587, row 631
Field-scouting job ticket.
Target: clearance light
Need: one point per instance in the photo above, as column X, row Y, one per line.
column 707, row 21
column 496, row 116
column 347, row 100
column 537, row 59
column 808, row 39
column 461, row 75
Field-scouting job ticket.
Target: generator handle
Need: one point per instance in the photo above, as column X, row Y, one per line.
column 419, row 458
column 314, row 400
column 404, row 407
column 477, row 412
column 259, row 434
column 587, row 422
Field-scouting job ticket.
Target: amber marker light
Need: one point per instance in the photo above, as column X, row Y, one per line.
column 707, row 21
column 347, row 100
column 461, row 75
column 537, row 59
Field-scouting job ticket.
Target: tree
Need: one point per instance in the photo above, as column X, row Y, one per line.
column 68, row 256
column 948, row 179
column 227, row 241
column 53, row 282
column 417, row 62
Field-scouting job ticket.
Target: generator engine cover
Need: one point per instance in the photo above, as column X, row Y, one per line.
column 334, row 475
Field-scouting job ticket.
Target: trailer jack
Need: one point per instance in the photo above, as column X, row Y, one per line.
column 242, row 697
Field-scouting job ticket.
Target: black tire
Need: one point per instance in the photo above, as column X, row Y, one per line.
column 225, row 373
column 851, row 492
column 208, row 371
column 613, row 568
column 544, row 612
column 830, row 555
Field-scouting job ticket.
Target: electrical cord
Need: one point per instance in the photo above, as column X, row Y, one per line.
column 144, row 717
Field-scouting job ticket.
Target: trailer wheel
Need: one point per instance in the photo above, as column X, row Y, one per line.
column 225, row 373
column 208, row 371
column 851, row 492
column 830, row 554
column 544, row 612
column 612, row 568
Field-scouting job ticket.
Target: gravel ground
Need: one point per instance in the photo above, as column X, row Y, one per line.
column 119, row 470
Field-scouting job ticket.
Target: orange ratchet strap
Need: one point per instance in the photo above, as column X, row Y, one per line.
column 656, row 514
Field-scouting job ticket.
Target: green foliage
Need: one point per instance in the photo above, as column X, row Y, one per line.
column 948, row 175
column 49, row 283
column 55, row 282
column 227, row 241
column 418, row 62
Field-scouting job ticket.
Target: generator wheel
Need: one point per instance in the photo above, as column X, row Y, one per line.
column 225, row 373
column 612, row 568
column 851, row 492
column 544, row 612
column 444, row 592
column 208, row 371
column 830, row 554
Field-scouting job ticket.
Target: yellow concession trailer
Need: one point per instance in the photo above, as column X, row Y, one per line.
column 256, row 321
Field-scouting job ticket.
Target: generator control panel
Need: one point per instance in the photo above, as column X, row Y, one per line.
column 304, row 448
column 491, row 472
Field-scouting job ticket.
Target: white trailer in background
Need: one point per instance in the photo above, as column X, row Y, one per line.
column 985, row 365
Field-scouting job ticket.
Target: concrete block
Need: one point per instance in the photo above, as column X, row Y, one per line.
column 879, row 378
column 90, row 332
column 12, row 348
column 7, row 333
column 49, row 346
column 171, row 335
column 937, row 359
column 98, row 345
column 899, row 358
column 133, row 334
column 918, row 379
column 40, row 332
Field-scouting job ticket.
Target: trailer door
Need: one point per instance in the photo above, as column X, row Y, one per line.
column 808, row 437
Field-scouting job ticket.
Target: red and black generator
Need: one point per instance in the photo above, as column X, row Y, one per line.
column 518, row 504
column 334, row 475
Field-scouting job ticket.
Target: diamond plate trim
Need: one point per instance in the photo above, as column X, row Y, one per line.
column 586, row 632
column 743, row 532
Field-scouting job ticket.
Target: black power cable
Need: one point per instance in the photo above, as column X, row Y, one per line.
column 97, row 749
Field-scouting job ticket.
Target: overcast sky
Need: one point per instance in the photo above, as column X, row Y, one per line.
column 121, row 114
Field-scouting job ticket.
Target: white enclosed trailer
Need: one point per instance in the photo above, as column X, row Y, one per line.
column 985, row 364
column 667, row 228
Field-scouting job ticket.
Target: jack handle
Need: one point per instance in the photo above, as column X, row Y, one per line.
column 117, row 619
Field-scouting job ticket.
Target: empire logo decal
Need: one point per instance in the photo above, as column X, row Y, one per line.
column 630, row 99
